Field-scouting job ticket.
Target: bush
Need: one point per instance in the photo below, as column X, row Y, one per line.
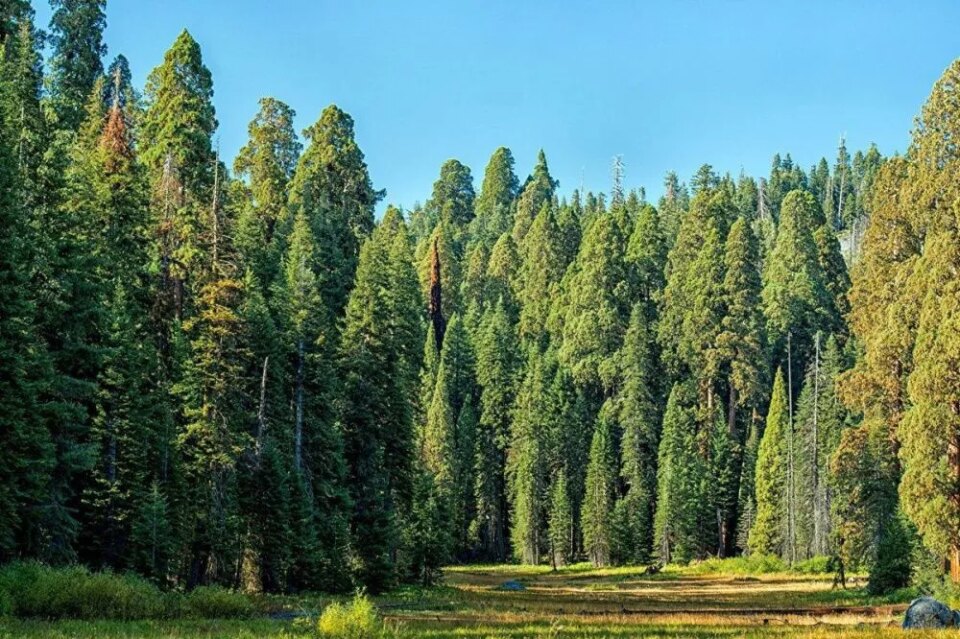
column 35, row 590
column 214, row 602
column 355, row 620
column 820, row 564
column 748, row 565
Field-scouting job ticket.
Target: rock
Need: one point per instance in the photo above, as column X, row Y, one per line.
column 927, row 613
column 512, row 586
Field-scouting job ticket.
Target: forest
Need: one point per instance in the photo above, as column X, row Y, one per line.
column 253, row 375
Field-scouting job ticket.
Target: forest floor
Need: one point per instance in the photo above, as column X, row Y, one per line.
column 577, row 601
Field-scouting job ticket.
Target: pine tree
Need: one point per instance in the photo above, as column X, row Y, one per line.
column 747, row 498
column 266, row 162
column 742, row 340
column 541, row 270
column 502, row 276
column 438, row 458
column 378, row 365
column 673, row 206
column 769, row 533
column 598, row 502
column 560, row 522
column 452, row 203
column 647, row 258
column 537, row 191
column 332, row 187
column 494, row 204
column 699, row 344
column 707, row 210
column 640, row 422
column 680, row 476
column 742, row 346
column 930, row 428
column 795, row 298
column 76, row 29
column 597, row 297
column 497, row 375
column 526, row 470
column 723, row 476
column 25, row 446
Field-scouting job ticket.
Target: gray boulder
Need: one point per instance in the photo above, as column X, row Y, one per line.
column 927, row 612
column 512, row 586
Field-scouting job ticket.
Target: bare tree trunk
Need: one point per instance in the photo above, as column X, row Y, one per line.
column 818, row 544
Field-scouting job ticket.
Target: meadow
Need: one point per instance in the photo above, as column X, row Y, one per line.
column 716, row 599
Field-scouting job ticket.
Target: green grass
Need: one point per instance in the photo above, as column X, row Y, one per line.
column 718, row 598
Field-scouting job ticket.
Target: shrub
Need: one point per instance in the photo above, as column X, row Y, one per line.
column 749, row 565
column 35, row 590
column 814, row 566
column 214, row 602
column 355, row 620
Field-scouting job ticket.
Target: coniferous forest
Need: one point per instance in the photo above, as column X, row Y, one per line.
column 250, row 373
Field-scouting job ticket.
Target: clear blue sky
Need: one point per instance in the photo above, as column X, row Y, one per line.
column 668, row 85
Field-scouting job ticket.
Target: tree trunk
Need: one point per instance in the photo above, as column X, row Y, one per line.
column 262, row 410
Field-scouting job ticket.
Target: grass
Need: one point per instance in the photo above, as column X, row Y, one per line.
column 710, row 599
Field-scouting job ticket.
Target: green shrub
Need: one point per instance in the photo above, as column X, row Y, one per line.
column 354, row 620
column 35, row 590
column 820, row 564
column 214, row 602
column 748, row 565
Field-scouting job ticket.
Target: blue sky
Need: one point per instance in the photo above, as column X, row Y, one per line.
column 667, row 85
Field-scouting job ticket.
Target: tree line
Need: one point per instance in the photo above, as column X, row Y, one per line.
column 243, row 377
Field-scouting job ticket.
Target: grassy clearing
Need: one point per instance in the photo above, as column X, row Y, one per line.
column 700, row 601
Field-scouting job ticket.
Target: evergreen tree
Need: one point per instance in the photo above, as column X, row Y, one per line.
column 541, row 270
column 795, row 298
column 769, row 532
column 747, row 498
column 707, row 210
column 742, row 340
column 497, row 375
column 526, row 470
column 560, row 522
column 502, row 276
column 673, row 206
column 494, row 205
column 76, row 33
column 378, row 365
column 647, row 258
column 598, row 502
column 537, row 191
column 640, row 422
column 332, row 187
column 680, row 475
column 597, row 300
column 25, row 446
column 266, row 163
column 452, row 203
